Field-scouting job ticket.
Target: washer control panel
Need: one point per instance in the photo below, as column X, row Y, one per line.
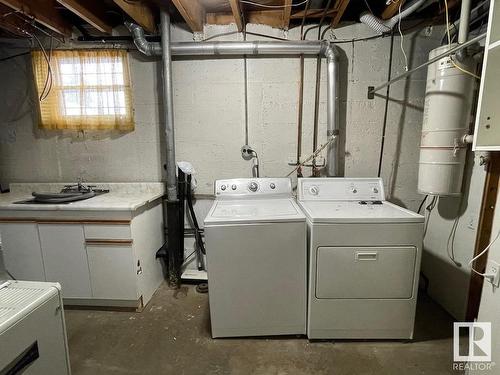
column 341, row 189
column 246, row 187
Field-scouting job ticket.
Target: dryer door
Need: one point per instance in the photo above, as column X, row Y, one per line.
column 365, row 272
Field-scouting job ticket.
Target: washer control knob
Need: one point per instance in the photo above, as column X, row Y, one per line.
column 354, row 190
column 233, row 187
column 252, row 186
column 223, row 187
column 272, row 185
column 375, row 190
column 314, row 190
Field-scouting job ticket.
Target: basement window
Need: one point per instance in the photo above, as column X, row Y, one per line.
column 83, row 90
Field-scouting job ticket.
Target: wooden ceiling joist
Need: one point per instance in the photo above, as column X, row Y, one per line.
column 91, row 11
column 391, row 9
column 139, row 12
column 14, row 25
column 340, row 7
column 287, row 13
column 44, row 12
column 235, row 8
column 192, row 12
column 313, row 13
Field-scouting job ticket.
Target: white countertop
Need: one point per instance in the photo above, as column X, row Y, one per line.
column 122, row 197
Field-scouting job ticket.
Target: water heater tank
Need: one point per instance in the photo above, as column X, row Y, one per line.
column 447, row 114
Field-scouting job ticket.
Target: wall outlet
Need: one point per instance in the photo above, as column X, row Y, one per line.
column 493, row 269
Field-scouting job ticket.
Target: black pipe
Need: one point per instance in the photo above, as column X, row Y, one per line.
column 173, row 243
column 197, row 230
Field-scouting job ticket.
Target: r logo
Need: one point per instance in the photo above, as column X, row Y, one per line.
column 479, row 348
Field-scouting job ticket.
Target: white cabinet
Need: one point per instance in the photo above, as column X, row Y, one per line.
column 65, row 258
column 21, row 251
column 113, row 271
column 98, row 261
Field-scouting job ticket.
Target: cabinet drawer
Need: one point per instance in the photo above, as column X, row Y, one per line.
column 113, row 272
column 107, row 231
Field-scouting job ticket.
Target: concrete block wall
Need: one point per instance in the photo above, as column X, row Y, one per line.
column 209, row 120
column 209, row 116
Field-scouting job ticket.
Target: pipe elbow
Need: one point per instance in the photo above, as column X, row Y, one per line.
column 145, row 47
column 330, row 51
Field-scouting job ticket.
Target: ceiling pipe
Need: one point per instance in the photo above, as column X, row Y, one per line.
column 175, row 212
column 463, row 31
column 276, row 48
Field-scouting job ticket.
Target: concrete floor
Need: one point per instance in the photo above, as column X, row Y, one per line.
column 172, row 336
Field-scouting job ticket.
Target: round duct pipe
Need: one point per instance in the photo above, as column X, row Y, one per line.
column 447, row 112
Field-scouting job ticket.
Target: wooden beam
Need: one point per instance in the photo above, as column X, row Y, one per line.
column 340, row 7
column 44, row 12
column 313, row 13
column 13, row 24
column 391, row 9
column 92, row 11
column 192, row 12
column 235, row 8
column 139, row 12
column 483, row 236
column 287, row 12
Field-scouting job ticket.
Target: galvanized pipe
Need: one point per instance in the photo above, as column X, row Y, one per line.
column 463, row 31
column 168, row 107
column 302, row 47
column 333, row 113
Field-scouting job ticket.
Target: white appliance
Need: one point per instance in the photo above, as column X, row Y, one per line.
column 364, row 260
column 255, row 237
column 32, row 329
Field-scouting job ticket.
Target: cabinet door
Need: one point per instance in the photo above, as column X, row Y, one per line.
column 21, row 251
column 113, row 271
column 65, row 258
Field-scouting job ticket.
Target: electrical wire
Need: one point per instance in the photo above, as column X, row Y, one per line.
column 9, row 274
column 274, row 6
column 422, row 204
column 482, row 253
column 428, row 211
column 449, row 44
column 450, row 248
column 247, row 32
column 14, row 56
column 401, row 40
column 49, row 69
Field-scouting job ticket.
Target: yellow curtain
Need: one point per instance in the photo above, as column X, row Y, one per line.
column 87, row 90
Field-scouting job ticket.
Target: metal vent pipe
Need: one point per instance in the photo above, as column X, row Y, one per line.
column 277, row 48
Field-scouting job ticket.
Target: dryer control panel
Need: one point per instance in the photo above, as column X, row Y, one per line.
column 253, row 187
column 340, row 189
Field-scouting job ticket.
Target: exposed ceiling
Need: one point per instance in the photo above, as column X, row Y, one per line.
column 97, row 17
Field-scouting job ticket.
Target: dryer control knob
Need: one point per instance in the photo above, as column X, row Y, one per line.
column 375, row 190
column 223, row 187
column 252, row 186
column 272, row 185
column 314, row 190
column 233, row 187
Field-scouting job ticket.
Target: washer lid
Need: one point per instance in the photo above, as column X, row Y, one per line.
column 254, row 210
column 355, row 212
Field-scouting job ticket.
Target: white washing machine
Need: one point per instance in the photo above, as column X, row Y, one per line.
column 255, row 237
column 364, row 260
